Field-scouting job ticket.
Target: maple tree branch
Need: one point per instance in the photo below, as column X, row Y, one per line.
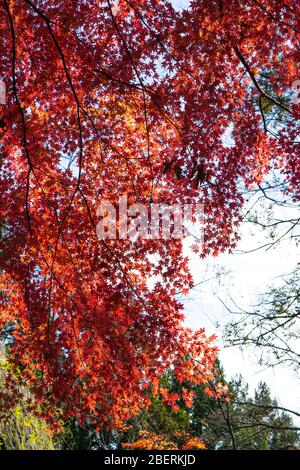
column 69, row 79
column 102, row 140
column 88, row 322
column 162, row 45
column 78, row 108
column 15, row 92
column 255, row 82
column 230, row 426
column 148, row 90
column 176, row 60
column 143, row 92
column 263, row 8
column 44, row 17
column 262, row 113
column 226, row 417
column 266, row 425
column 267, row 407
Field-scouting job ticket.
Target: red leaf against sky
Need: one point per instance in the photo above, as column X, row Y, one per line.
column 108, row 98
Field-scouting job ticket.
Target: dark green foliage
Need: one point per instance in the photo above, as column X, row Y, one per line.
column 245, row 422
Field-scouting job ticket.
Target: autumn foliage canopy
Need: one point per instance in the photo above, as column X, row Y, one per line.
column 135, row 98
